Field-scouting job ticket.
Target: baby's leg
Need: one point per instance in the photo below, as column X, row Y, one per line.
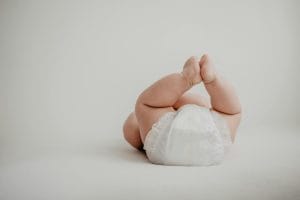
column 223, row 97
column 131, row 129
column 160, row 97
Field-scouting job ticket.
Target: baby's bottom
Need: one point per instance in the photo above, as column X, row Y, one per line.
column 167, row 94
column 191, row 136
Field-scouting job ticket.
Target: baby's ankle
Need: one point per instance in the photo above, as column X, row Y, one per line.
column 187, row 80
column 215, row 79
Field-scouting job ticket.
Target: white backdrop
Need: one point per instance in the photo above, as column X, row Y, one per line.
column 76, row 68
column 70, row 71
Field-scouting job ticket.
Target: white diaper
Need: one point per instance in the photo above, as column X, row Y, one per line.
column 192, row 135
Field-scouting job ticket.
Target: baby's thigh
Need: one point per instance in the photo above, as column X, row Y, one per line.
column 147, row 116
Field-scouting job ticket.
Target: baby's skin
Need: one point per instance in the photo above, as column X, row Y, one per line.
column 170, row 93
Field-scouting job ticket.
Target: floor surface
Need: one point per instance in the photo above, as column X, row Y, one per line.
column 263, row 164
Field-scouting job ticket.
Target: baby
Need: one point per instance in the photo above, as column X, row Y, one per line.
column 179, row 128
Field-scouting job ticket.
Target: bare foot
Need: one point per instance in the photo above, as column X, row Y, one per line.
column 207, row 72
column 191, row 71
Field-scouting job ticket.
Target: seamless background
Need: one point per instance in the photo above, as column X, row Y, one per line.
column 70, row 71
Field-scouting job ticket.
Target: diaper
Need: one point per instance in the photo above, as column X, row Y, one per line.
column 192, row 135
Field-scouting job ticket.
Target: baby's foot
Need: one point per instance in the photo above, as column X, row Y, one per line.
column 191, row 71
column 207, row 72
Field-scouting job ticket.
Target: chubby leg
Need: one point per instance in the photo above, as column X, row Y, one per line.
column 223, row 97
column 160, row 97
column 131, row 127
